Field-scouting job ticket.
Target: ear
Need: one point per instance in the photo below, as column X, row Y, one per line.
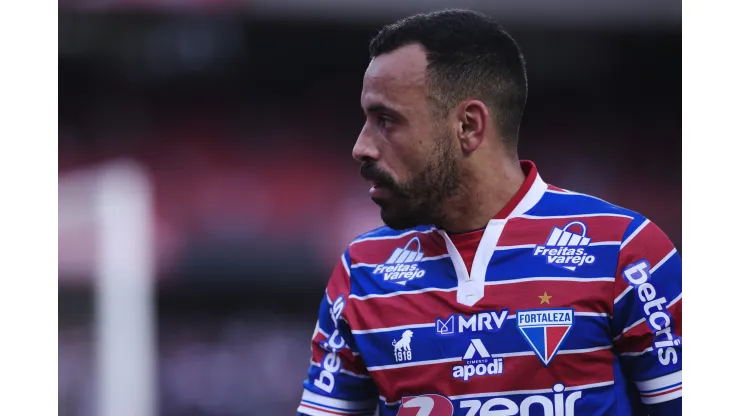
column 472, row 123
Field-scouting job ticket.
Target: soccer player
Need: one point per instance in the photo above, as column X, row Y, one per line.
column 489, row 292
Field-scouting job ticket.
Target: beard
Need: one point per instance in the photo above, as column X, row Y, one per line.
column 419, row 200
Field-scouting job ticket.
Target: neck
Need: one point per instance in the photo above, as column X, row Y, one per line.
column 483, row 194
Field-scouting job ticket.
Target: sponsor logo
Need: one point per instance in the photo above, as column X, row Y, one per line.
column 331, row 363
column 445, row 327
column 545, row 330
column 656, row 315
column 566, row 249
column 481, row 322
column 402, row 266
column 402, row 347
column 426, row 405
column 478, row 362
column 336, row 309
column 560, row 404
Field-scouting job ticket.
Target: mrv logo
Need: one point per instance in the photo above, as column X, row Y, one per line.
column 402, row 266
column 331, row 363
column 657, row 317
column 483, row 321
column 478, row 362
column 545, row 330
column 566, row 249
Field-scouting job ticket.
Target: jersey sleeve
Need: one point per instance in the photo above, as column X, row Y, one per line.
column 646, row 323
column 338, row 382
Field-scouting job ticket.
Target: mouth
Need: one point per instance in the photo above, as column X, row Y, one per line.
column 379, row 191
column 381, row 188
column 376, row 183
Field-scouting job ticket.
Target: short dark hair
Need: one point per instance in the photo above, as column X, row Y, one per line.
column 468, row 56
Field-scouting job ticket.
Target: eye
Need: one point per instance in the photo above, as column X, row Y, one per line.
column 384, row 121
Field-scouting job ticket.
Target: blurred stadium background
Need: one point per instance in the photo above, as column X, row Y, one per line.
column 242, row 116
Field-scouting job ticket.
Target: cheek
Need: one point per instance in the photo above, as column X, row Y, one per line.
column 408, row 150
column 409, row 161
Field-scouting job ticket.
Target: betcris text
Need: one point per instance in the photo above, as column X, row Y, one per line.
column 331, row 363
column 401, row 272
column 655, row 310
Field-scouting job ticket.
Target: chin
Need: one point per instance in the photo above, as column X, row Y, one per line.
column 398, row 220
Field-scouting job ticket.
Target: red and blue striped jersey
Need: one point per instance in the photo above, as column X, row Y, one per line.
column 563, row 305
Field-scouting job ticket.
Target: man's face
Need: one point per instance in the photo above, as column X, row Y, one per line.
column 406, row 152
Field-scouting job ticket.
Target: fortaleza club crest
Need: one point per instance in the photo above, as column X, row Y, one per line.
column 545, row 330
column 566, row 248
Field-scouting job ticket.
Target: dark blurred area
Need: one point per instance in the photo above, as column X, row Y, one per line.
column 246, row 124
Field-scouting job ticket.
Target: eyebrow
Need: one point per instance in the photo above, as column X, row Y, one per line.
column 381, row 108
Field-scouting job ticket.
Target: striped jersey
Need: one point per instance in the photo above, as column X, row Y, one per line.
column 563, row 305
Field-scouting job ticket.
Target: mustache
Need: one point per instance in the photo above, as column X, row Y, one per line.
column 372, row 173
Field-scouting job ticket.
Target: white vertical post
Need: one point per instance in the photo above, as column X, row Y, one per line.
column 124, row 270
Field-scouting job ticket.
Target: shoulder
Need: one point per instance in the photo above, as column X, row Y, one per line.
column 380, row 246
column 562, row 203
column 385, row 245
column 377, row 245
column 634, row 230
column 387, row 233
column 566, row 218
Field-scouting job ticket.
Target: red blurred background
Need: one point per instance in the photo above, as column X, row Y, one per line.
column 245, row 122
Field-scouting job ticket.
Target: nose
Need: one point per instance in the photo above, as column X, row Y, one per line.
column 365, row 146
